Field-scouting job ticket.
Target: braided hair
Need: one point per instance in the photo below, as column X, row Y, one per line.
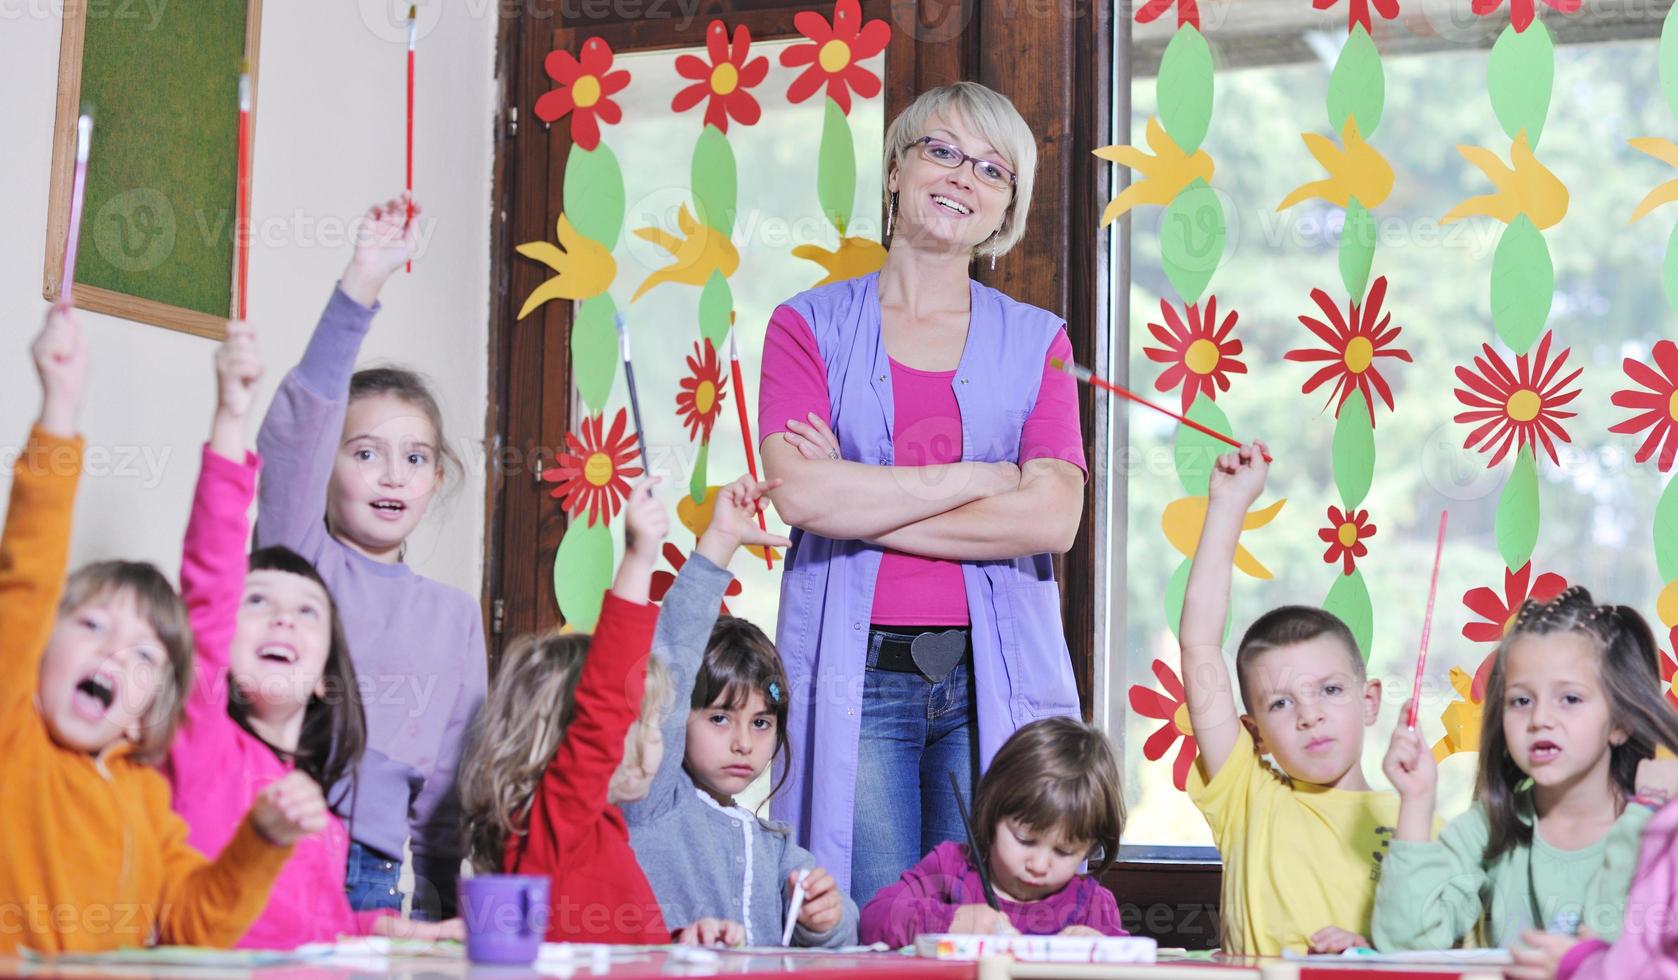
column 1630, row 679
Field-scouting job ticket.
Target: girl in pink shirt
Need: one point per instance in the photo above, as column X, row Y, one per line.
column 275, row 700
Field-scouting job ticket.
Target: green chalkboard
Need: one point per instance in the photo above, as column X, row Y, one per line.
column 161, row 81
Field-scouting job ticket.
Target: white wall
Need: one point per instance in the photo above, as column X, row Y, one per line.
column 328, row 143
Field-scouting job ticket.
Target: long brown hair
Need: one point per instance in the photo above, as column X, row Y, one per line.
column 1055, row 774
column 739, row 660
column 1630, row 678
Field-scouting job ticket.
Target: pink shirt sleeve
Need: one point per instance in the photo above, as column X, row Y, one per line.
column 1051, row 430
column 794, row 381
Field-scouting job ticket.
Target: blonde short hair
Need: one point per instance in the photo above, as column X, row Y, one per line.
column 994, row 118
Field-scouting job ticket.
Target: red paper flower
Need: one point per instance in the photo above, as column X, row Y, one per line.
column 585, row 91
column 700, row 401
column 1658, row 406
column 1174, row 711
column 1187, row 13
column 1521, row 11
column 1345, row 534
column 725, row 80
column 594, row 476
column 662, row 580
column 1357, row 11
column 1669, row 670
column 1201, row 360
column 834, row 54
column 1519, row 407
column 1354, row 341
column 1498, row 614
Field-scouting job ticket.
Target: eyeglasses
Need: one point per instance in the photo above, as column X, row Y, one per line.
column 949, row 155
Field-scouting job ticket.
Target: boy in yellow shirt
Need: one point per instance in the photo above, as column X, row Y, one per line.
column 1302, row 848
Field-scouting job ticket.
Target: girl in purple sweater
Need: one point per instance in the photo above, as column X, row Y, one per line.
column 1049, row 802
column 351, row 465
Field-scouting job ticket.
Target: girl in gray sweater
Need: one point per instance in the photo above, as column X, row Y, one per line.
column 706, row 856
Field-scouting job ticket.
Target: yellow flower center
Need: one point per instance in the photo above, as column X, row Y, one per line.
column 1202, row 357
column 725, row 78
column 1524, row 405
column 1180, row 718
column 1348, row 534
column 1672, row 405
column 585, row 91
column 1360, row 353
column 834, row 56
column 704, row 397
column 598, row 469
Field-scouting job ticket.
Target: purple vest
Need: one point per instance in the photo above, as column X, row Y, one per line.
column 1022, row 670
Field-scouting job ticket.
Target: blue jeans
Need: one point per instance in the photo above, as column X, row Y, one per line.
column 370, row 879
column 914, row 734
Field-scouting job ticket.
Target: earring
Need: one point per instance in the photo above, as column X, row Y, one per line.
column 891, row 211
column 993, row 261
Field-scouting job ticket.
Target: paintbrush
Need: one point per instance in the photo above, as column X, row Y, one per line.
column 1085, row 374
column 622, row 323
column 979, row 861
column 242, row 199
column 746, row 432
column 84, row 142
column 1427, row 621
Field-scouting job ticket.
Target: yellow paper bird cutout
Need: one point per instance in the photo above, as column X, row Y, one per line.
column 697, row 518
column 1527, row 188
column 1164, row 174
column 1183, row 519
column 1666, row 152
column 585, row 268
column 1461, row 718
column 1359, row 170
column 699, row 251
column 855, row 257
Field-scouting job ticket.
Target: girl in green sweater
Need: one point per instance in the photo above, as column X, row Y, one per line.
column 1572, row 717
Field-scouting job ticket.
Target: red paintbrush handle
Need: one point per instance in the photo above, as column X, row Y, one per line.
column 410, row 181
column 1106, row 385
column 751, row 457
column 1427, row 621
column 242, row 224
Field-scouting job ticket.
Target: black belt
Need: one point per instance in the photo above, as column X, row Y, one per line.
column 930, row 651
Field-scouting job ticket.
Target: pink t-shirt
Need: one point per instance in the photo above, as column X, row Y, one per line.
column 911, row 590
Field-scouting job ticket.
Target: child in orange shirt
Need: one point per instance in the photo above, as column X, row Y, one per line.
column 92, row 675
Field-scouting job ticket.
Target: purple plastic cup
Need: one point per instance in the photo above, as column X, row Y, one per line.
column 506, row 917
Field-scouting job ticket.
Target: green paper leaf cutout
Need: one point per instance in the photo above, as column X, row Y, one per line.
column 594, row 194
column 1357, row 246
column 594, row 351
column 1175, row 590
column 836, row 168
column 1669, row 59
column 696, row 483
column 715, row 181
column 1348, row 598
column 1523, row 284
column 582, row 572
column 1517, row 512
column 1195, row 452
column 1185, row 88
column 1666, row 531
column 1357, row 86
column 1519, row 77
column 716, row 302
column 1669, row 267
column 1191, row 239
column 1354, row 451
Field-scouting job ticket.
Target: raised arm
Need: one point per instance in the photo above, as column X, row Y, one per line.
column 1237, row 479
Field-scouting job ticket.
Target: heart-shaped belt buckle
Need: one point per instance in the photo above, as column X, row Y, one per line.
column 936, row 654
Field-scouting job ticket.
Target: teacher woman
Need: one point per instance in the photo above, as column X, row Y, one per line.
column 931, row 463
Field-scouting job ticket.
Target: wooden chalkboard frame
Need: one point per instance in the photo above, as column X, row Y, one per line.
column 94, row 298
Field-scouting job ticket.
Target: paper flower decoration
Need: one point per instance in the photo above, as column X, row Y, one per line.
column 594, row 476
column 584, row 266
column 1357, row 11
column 854, row 257
column 1183, row 518
column 1526, row 187
column 1188, row 12
column 1354, row 342
column 699, row 251
column 1157, row 178
column 1666, row 152
column 1354, row 170
column 1346, row 533
column 1521, row 11
column 586, row 89
column 1172, row 707
column 1519, row 407
column 696, row 517
column 1657, row 407
column 725, row 80
column 1497, row 613
column 700, row 401
column 1201, row 358
column 662, row 580
column 1461, row 718
column 834, row 54
column 1669, row 671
